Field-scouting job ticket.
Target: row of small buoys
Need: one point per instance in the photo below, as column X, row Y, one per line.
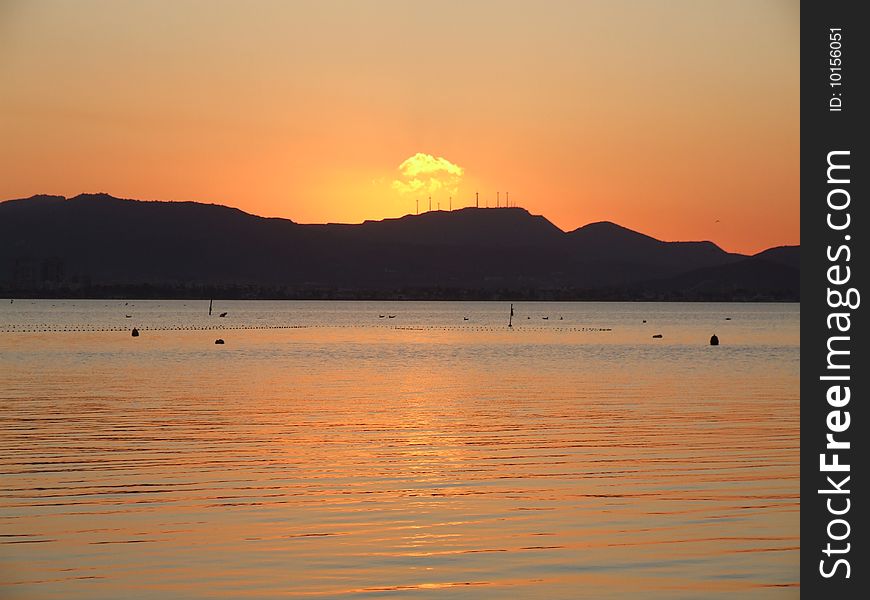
column 47, row 329
column 135, row 332
column 726, row 318
column 65, row 330
column 204, row 328
column 93, row 329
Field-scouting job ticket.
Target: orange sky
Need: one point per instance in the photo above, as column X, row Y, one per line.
column 662, row 116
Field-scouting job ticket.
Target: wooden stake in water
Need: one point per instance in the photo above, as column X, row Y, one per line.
column 209, row 306
column 511, row 318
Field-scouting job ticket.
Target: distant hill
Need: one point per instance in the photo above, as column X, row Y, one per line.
column 784, row 255
column 505, row 228
column 96, row 245
column 748, row 279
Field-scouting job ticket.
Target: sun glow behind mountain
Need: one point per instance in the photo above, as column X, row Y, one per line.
column 660, row 116
column 427, row 174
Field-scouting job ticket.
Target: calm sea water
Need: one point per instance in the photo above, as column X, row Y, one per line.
column 329, row 450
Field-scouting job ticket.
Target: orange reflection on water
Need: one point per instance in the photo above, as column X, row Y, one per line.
column 359, row 461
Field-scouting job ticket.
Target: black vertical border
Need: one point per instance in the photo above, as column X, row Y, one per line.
column 823, row 131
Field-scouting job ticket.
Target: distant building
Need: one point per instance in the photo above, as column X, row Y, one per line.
column 52, row 270
column 30, row 273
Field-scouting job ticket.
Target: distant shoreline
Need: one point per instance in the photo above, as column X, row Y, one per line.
column 160, row 292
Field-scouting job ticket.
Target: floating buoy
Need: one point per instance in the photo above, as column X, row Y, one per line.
column 658, row 335
column 714, row 340
column 219, row 341
column 135, row 332
column 223, row 314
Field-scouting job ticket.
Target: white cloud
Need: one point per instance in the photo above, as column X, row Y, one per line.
column 427, row 174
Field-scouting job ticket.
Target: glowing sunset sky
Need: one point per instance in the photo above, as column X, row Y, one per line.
column 661, row 116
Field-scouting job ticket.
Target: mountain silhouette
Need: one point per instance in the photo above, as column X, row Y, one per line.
column 784, row 255
column 96, row 244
